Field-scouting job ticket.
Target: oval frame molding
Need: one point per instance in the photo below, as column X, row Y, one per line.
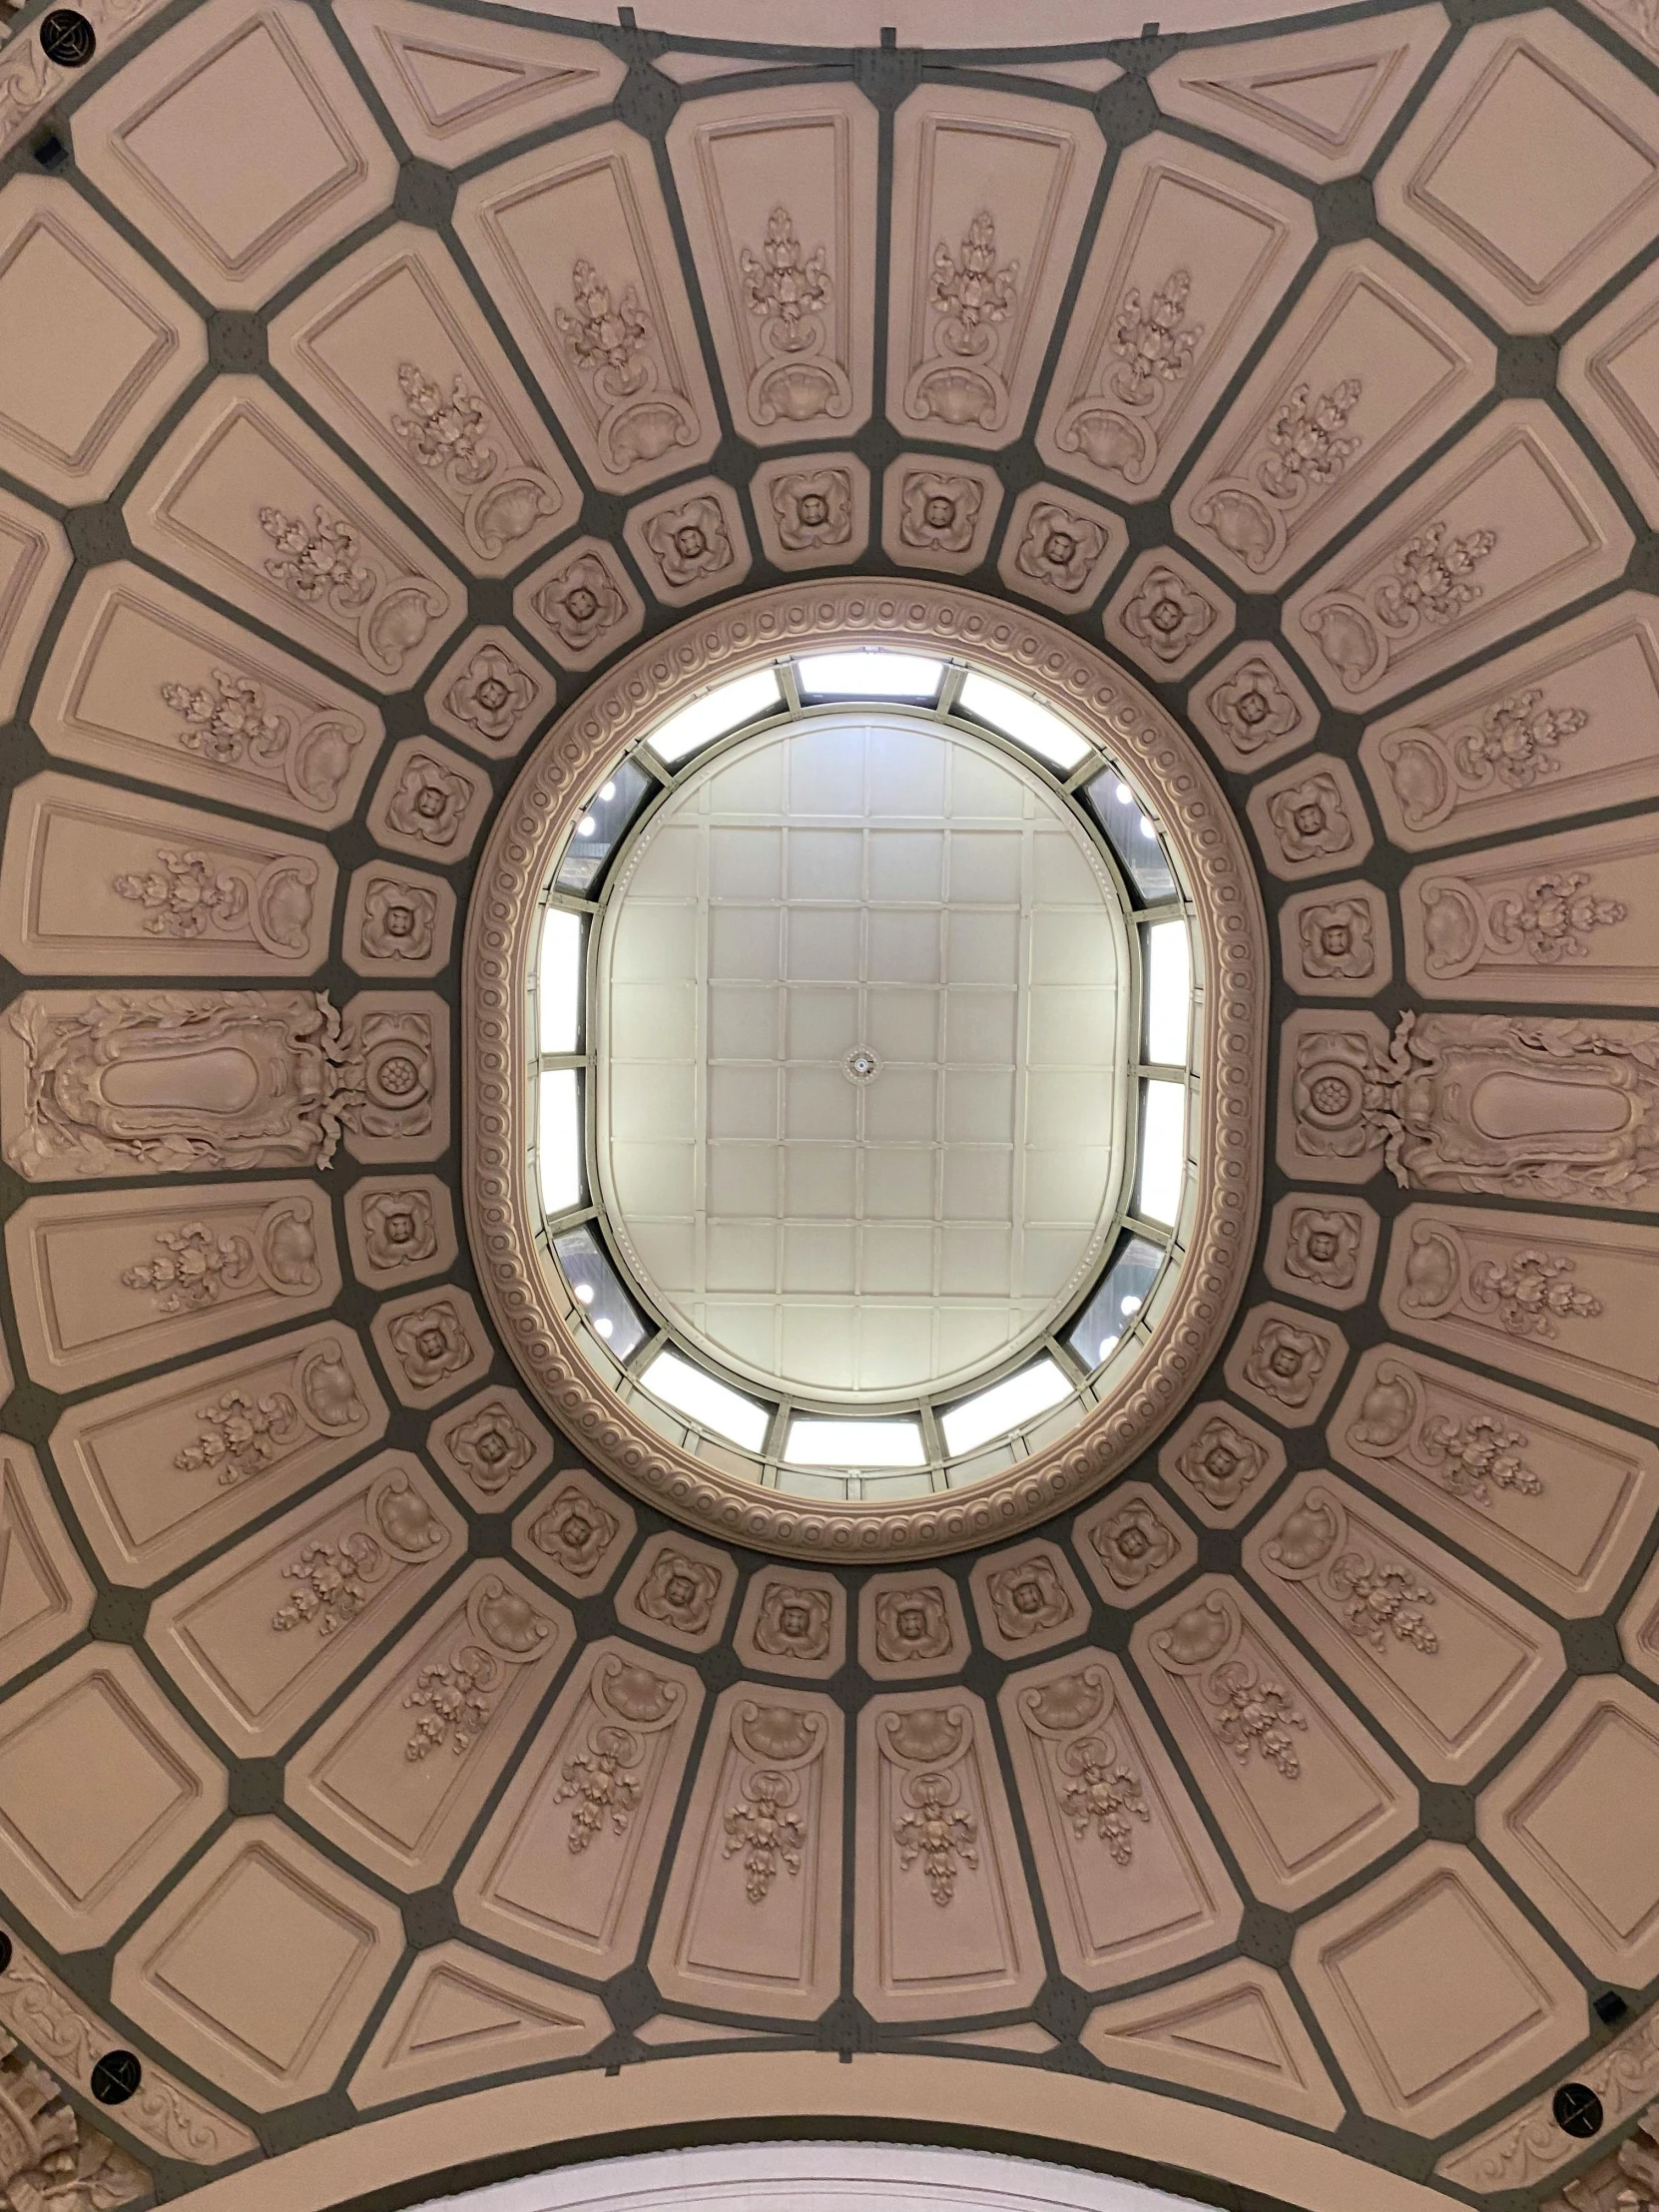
column 501, row 1209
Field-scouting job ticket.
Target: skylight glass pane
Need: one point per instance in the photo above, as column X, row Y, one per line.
column 710, row 1404
column 1132, row 835
column 1169, row 992
column 607, row 814
column 727, row 707
column 559, row 1141
column 871, row 675
column 1003, row 1407
column 1163, row 1150
column 1020, row 717
column 597, row 1289
column 855, row 1444
column 1121, row 1293
column 559, row 981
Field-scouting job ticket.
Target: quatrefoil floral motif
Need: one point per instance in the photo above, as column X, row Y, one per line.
column 490, row 693
column 399, row 920
column 431, row 1343
column 1167, row 615
column 399, row 1228
column 576, row 1530
column 490, row 1446
column 430, row 801
column 690, row 542
column 680, row 1591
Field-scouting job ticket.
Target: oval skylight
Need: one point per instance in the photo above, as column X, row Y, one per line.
column 865, row 1065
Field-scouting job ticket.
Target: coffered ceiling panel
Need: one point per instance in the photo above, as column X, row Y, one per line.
column 1251, row 430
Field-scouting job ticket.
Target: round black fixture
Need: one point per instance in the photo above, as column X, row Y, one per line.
column 5, row 1951
column 66, row 38
column 117, row 2073
column 1578, row 2109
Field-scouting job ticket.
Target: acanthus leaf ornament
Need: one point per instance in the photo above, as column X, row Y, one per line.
column 637, row 417
column 1467, row 1457
column 777, row 1743
column 1376, row 1600
column 1302, row 453
column 187, row 897
column 242, row 1437
column 1098, row 1793
column 1251, row 1713
column 626, row 1706
column 936, row 1828
column 1153, row 347
column 228, row 724
column 1546, row 920
column 1528, row 1292
column 1429, row 582
column 457, row 1696
column 970, row 293
column 50, row 2159
column 195, row 1266
column 789, row 294
column 1427, row 1105
column 1514, row 743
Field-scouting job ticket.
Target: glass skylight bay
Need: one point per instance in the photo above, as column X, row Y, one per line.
column 866, row 1000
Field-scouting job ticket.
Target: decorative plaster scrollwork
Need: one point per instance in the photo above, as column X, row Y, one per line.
column 335, row 1580
column 48, row 2157
column 450, row 434
column 969, row 293
column 168, row 1082
column 778, row 1742
column 1429, row 582
column 1375, row 1599
column 545, row 804
column 610, row 340
column 229, row 726
column 185, row 896
column 1543, row 1107
column 1096, row 1791
column 456, row 1697
column 1251, row 1713
column 1548, row 920
column 1303, row 452
column 1468, row 1458
column 1529, row 1294
column 1512, row 746
column 196, row 1264
column 242, row 1437
column 1154, row 347
column 788, row 293
column 936, row 1828
column 630, row 1705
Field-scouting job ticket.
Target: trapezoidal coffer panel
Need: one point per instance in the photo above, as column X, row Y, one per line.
column 864, row 1000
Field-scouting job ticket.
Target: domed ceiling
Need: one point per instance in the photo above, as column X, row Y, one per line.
column 391, row 396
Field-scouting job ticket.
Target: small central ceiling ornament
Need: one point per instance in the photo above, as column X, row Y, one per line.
column 933, row 858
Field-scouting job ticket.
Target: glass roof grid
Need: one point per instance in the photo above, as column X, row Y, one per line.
column 586, row 857
column 941, row 1466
